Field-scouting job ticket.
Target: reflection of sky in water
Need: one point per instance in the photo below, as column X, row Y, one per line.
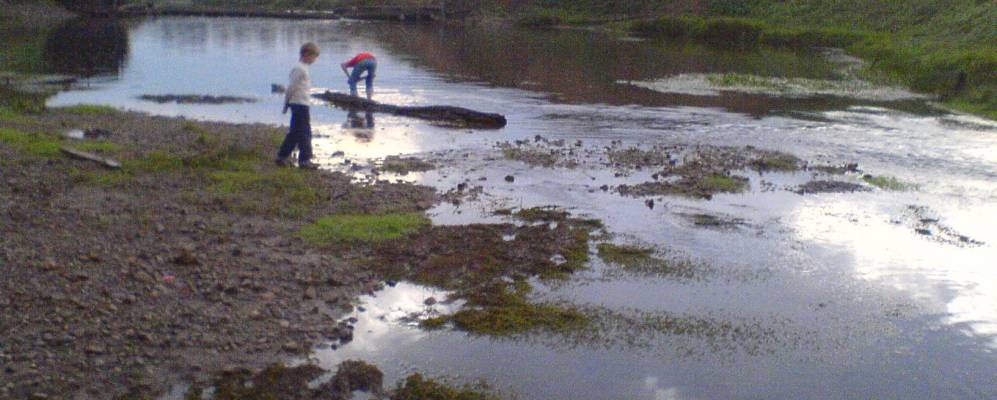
column 861, row 305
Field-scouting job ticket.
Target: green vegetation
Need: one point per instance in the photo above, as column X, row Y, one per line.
column 354, row 228
column 32, row 144
column 624, row 255
column 776, row 161
column 403, row 165
column 20, row 101
column 416, row 387
column 504, row 310
column 887, row 182
column 89, row 109
column 946, row 48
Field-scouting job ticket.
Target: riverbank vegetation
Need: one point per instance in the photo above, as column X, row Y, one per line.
column 945, row 48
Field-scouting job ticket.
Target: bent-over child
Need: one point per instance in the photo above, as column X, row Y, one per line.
column 362, row 62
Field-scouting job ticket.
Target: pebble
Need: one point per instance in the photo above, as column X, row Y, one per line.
column 510, row 178
column 285, row 323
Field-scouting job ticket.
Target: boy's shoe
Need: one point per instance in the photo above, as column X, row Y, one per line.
column 282, row 162
column 307, row 165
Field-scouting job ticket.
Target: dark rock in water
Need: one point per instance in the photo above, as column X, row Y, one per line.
column 649, row 203
column 925, row 232
column 510, row 178
column 195, row 99
column 430, row 301
column 829, row 187
column 275, row 88
column 457, row 116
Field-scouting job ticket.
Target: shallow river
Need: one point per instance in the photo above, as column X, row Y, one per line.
column 877, row 294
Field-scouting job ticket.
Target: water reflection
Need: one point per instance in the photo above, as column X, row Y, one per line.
column 361, row 127
column 585, row 67
column 103, row 51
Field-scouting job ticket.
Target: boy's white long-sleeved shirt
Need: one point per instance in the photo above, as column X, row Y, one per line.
column 300, row 86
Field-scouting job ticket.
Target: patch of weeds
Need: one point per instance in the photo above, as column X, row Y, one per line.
column 775, row 161
column 504, row 310
column 278, row 191
column 416, row 387
column 545, row 214
column 702, row 187
column 356, row 375
column 824, row 186
column 634, row 157
column 887, row 182
column 534, row 156
column 23, row 101
column 640, row 260
column 89, row 109
column 32, row 144
column 274, row 382
column 359, row 228
column 488, row 266
column 404, row 165
column 8, row 114
column 624, row 255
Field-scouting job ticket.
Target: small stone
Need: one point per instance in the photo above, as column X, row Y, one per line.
column 284, row 323
column 160, row 228
column 310, row 293
column 290, row 346
column 510, row 178
column 38, row 396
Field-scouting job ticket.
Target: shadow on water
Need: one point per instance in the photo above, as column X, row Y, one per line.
column 584, row 67
column 102, row 53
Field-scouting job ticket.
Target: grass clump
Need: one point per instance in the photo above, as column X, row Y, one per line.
column 89, row 109
column 624, row 255
column 403, row 165
column 698, row 186
column 22, row 101
column 504, row 310
column 887, row 182
column 362, row 228
column 416, row 387
column 32, row 144
column 775, row 161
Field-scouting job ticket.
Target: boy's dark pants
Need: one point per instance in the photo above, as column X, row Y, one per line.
column 300, row 135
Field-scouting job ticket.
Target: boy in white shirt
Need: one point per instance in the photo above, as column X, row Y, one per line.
column 296, row 99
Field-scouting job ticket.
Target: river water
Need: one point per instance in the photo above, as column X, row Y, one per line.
column 877, row 294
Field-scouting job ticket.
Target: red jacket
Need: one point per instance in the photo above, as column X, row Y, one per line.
column 360, row 57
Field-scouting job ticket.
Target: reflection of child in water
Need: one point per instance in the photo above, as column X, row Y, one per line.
column 362, row 126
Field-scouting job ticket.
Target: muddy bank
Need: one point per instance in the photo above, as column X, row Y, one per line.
column 186, row 260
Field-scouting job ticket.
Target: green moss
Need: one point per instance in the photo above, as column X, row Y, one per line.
column 89, row 109
column 887, row 182
column 624, row 255
column 360, row 228
column 776, row 162
column 32, row 144
column 403, row 165
column 274, row 382
column 503, row 310
column 546, row 214
column 416, row 387
column 724, row 183
column 22, row 101
column 9, row 114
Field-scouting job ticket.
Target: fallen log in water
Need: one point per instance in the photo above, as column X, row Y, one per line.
column 451, row 115
column 82, row 155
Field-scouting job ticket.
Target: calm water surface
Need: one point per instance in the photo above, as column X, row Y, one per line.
column 834, row 296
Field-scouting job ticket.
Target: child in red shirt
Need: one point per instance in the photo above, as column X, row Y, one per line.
column 362, row 62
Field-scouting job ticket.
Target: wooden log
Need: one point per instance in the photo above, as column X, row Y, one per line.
column 82, row 155
column 448, row 114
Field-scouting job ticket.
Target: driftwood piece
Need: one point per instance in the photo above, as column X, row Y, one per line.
column 449, row 114
column 82, row 155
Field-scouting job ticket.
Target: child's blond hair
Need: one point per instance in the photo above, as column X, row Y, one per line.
column 309, row 49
